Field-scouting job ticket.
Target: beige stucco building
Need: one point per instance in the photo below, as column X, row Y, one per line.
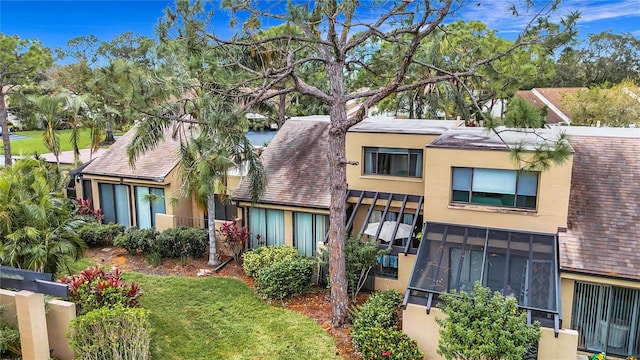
column 454, row 208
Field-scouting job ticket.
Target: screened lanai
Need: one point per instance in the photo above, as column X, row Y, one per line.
column 517, row 264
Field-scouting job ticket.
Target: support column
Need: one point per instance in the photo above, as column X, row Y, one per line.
column 32, row 323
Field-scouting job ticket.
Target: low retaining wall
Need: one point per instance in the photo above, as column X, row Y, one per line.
column 40, row 331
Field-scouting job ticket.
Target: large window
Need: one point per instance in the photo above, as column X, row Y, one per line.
column 607, row 319
column 517, row 264
column 508, row 188
column 266, row 227
column 225, row 209
column 404, row 232
column 114, row 203
column 308, row 230
column 149, row 202
column 392, row 161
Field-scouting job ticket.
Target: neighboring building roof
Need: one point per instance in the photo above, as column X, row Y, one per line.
column 296, row 165
column 66, row 157
column 486, row 139
column 154, row 165
column 603, row 235
column 557, row 113
column 403, row 126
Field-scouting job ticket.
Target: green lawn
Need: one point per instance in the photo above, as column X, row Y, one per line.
column 35, row 144
column 221, row 318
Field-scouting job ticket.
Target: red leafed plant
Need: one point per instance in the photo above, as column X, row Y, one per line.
column 95, row 288
column 234, row 237
column 84, row 208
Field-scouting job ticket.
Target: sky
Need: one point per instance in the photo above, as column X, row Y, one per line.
column 54, row 22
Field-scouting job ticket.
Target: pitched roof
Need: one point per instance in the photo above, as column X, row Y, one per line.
column 557, row 112
column 603, row 236
column 154, row 165
column 296, row 165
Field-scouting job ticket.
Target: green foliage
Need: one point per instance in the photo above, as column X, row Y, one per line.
column 382, row 344
column 38, row 228
column 286, row 278
column 375, row 329
column 360, row 257
column 134, row 240
column 96, row 235
column 266, row 256
column 379, row 311
column 112, row 334
column 94, row 288
column 484, row 325
column 181, row 242
column 522, row 114
column 9, row 338
column 598, row 106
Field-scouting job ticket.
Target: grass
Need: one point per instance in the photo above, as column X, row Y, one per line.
column 221, row 318
column 35, row 144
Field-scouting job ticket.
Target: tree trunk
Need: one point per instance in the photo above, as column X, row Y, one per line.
column 5, row 129
column 211, row 217
column 337, row 232
column 338, row 191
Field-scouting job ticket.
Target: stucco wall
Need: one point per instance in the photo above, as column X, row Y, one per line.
column 553, row 193
column 424, row 330
column 405, row 267
column 394, row 184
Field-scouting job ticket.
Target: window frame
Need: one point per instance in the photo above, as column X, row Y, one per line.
column 314, row 228
column 518, row 198
column 114, row 199
column 407, row 151
column 265, row 241
column 149, row 204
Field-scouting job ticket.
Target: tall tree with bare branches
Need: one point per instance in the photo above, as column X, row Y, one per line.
column 337, row 38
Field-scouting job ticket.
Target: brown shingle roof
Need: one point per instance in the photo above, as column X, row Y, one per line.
column 296, row 165
column 153, row 165
column 603, row 236
column 554, row 96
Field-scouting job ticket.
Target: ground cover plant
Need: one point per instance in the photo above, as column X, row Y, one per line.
column 221, row 318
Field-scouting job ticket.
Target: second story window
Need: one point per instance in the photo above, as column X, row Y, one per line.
column 507, row 188
column 393, row 161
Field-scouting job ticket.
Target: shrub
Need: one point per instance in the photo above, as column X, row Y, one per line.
column 360, row 257
column 234, row 238
column 182, row 242
column 380, row 311
column 95, row 234
column 504, row 329
column 385, row 344
column 172, row 243
column 9, row 338
column 94, row 288
column 112, row 333
column 286, row 278
column 263, row 257
column 84, row 208
column 134, row 240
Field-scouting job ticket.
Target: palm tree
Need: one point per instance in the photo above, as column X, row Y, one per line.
column 49, row 109
column 76, row 107
column 209, row 149
column 37, row 224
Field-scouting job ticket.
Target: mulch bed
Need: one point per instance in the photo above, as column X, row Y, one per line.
column 316, row 304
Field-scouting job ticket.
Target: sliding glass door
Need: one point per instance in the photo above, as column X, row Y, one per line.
column 606, row 318
column 114, row 203
column 149, row 202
